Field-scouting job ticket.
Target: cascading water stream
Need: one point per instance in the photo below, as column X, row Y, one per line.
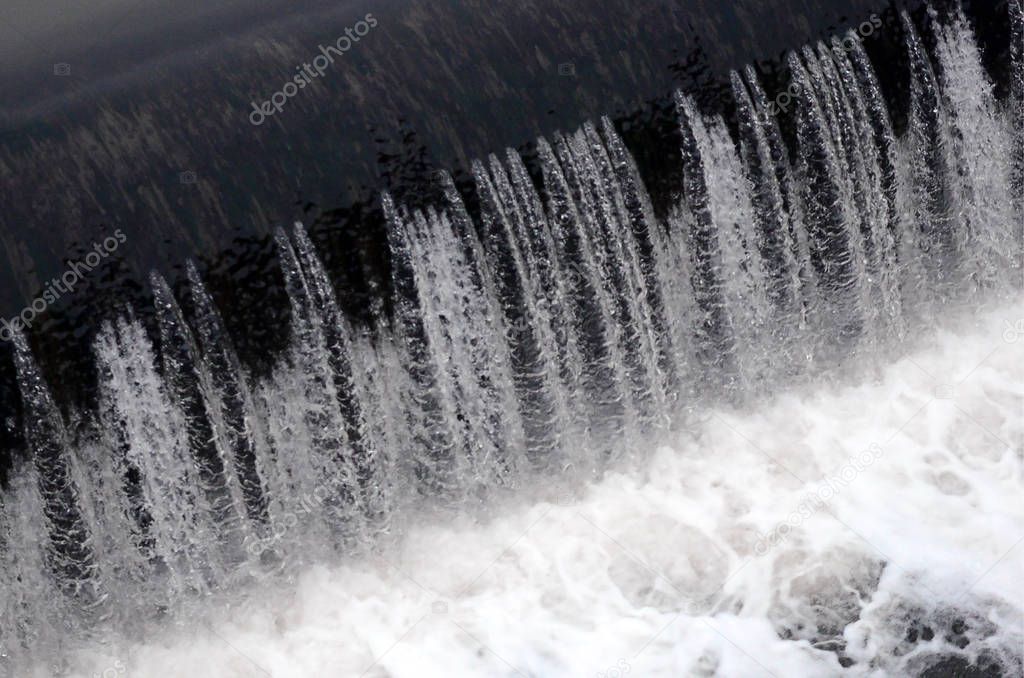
column 563, row 326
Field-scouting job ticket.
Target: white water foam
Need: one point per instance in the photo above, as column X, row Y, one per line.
column 673, row 568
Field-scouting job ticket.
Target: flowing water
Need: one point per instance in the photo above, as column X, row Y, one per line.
column 585, row 441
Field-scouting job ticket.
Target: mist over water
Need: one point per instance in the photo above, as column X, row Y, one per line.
column 581, row 430
column 888, row 563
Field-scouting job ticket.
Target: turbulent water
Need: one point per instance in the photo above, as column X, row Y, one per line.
column 900, row 494
column 381, row 503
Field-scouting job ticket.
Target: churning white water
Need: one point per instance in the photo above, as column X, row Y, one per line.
column 825, row 340
column 901, row 491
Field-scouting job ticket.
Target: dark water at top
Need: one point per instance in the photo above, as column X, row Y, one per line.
column 146, row 131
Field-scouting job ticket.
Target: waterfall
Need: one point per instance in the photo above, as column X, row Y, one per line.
column 1015, row 105
column 150, row 435
column 67, row 543
column 541, row 338
column 773, row 236
column 188, row 386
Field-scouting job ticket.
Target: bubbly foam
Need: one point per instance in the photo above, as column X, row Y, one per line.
column 900, row 492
